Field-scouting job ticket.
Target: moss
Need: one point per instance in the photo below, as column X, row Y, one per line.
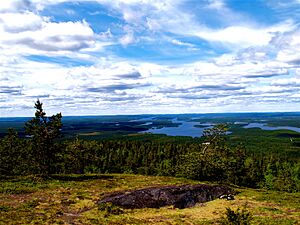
column 73, row 200
column 5, row 208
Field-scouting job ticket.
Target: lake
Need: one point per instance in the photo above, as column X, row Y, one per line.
column 184, row 129
column 265, row 127
column 73, row 125
column 189, row 129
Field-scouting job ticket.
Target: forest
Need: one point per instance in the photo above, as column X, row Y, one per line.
column 209, row 158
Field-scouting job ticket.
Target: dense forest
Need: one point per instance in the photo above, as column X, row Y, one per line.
column 209, row 158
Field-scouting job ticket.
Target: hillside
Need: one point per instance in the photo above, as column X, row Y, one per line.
column 72, row 199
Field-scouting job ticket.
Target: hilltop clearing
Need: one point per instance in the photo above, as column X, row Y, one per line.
column 74, row 199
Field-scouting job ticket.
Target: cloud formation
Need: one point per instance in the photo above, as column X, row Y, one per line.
column 142, row 56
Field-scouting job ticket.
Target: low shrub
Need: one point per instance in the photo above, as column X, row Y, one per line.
column 238, row 217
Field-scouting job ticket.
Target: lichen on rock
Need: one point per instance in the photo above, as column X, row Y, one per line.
column 155, row 197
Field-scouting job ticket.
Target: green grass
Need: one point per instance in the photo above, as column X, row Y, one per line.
column 72, row 199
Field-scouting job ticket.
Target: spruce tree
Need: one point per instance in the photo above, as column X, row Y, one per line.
column 43, row 131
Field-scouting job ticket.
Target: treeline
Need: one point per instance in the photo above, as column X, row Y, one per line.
column 192, row 160
column 209, row 160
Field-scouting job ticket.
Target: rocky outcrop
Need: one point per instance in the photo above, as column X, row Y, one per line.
column 156, row 197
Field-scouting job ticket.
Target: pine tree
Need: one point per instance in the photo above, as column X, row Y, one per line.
column 43, row 131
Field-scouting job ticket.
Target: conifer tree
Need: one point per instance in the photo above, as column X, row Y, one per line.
column 43, row 131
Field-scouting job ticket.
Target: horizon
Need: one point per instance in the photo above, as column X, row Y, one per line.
column 141, row 57
column 162, row 114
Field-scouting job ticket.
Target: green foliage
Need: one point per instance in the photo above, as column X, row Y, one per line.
column 266, row 143
column 14, row 155
column 269, row 177
column 21, row 185
column 214, row 160
column 215, row 136
column 282, row 175
column 43, row 131
column 109, row 209
column 238, row 217
column 253, row 172
column 210, row 158
column 74, row 157
column 5, row 208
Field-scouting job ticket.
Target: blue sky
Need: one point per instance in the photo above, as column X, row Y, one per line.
column 149, row 56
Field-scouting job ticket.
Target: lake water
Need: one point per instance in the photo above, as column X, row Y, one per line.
column 265, row 127
column 189, row 129
column 185, row 129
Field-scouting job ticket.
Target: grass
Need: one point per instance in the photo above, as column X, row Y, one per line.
column 72, row 199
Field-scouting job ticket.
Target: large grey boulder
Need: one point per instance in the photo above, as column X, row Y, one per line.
column 155, row 197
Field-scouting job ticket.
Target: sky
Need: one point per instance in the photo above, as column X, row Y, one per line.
column 108, row 57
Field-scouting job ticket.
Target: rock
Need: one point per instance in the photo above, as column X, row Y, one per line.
column 228, row 197
column 155, row 197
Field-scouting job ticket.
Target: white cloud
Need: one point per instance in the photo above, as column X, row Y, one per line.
column 259, row 67
column 170, row 16
column 37, row 35
column 180, row 43
column 128, row 38
column 288, row 82
column 216, row 4
column 70, row 36
column 14, row 5
column 153, row 24
column 243, row 36
column 288, row 45
column 237, row 36
column 132, row 16
column 11, row 22
column 238, row 32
